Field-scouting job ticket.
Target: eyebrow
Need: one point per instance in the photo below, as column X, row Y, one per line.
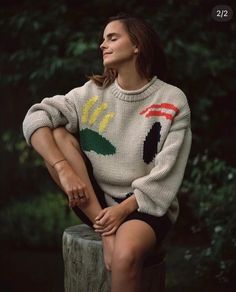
column 110, row 35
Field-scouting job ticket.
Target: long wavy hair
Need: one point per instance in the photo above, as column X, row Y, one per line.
column 151, row 59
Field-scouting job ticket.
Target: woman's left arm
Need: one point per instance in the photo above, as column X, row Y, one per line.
column 156, row 191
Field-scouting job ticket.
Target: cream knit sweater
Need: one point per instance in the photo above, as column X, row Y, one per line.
column 137, row 141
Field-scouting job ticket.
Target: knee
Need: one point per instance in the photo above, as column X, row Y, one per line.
column 126, row 260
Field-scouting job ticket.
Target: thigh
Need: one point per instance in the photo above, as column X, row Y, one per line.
column 160, row 225
column 135, row 237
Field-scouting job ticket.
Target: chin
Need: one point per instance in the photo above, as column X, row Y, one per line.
column 108, row 64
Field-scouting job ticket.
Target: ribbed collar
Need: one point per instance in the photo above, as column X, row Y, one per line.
column 136, row 95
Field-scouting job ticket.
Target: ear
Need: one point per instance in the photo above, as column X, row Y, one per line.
column 136, row 50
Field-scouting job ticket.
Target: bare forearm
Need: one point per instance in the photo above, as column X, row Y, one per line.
column 43, row 142
column 130, row 204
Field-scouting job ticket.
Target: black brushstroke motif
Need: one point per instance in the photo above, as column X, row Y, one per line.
column 151, row 143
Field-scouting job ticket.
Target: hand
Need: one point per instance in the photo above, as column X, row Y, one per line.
column 73, row 186
column 109, row 219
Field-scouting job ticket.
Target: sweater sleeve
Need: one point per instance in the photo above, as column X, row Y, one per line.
column 52, row 112
column 156, row 191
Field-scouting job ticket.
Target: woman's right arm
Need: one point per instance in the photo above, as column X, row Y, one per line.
column 40, row 120
column 43, row 142
column 52, row 112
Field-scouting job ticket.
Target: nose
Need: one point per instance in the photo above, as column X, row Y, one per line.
column 103, row 45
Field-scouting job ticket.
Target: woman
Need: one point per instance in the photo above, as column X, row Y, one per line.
column 118, row 147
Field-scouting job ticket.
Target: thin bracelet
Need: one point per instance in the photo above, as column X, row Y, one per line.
column 58, row 162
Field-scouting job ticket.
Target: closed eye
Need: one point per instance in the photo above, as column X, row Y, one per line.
column 112, row 36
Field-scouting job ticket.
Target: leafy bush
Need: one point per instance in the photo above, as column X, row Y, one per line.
column 22, row 171
column 212, row 185
column 37, row 222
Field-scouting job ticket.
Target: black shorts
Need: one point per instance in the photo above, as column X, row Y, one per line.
column 160, row 225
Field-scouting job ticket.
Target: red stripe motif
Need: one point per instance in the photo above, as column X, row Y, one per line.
column 151, row 111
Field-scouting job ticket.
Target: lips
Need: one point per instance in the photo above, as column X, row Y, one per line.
column 104, row 54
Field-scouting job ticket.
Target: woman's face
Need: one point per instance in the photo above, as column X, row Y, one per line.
column 117, row 48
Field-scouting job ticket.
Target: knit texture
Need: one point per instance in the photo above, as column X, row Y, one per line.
column 137, row 141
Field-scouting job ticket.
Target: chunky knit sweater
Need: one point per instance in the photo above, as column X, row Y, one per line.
column 137, row 141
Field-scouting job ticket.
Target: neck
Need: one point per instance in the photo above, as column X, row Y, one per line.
column 129, row 79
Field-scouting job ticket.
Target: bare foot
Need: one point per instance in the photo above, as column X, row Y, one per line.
column 108, row 243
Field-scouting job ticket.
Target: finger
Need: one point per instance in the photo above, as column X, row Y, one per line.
column 86, row 195
column 71, row 204
column 99, row 227
column 82, row 201
column 70, row 198
column 76, row 199
column 101, row 214
column 83, row 192
column 80, row 198
column 80, row 195
column 98, row 231
column 99, row 223
column 81, row 189
column 102, row 230
column 112, row 231
column 74, row 191
column 104, row 220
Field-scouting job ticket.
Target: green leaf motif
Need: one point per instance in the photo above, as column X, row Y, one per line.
column 92, row 141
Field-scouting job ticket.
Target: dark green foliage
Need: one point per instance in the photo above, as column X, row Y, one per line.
column 47, row 48
column 212, row 188
column 37, row 222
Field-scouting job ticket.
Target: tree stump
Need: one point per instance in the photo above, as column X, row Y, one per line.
column 84, row 266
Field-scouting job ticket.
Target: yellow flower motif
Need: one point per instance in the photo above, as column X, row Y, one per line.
column 97, row 112
column 90, row 117
column 87, row 107
column 103, row 124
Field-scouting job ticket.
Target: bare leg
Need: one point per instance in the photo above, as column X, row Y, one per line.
column 70, row 148
column 134, row 239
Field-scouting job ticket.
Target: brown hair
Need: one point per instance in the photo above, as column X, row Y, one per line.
column 151, row 59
